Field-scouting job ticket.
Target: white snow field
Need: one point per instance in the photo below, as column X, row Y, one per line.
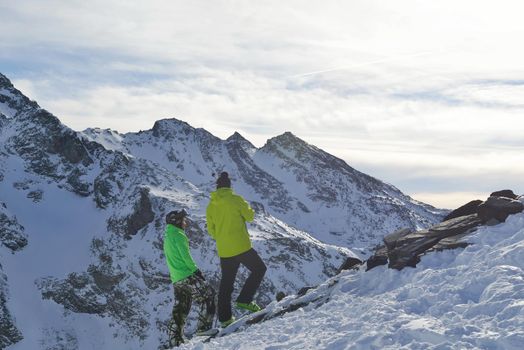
column 470, row 298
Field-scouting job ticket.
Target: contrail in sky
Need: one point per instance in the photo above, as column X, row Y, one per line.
column 387, row 59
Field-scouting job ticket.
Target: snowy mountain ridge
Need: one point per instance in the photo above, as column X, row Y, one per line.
column 81, row 214
column 296, row 182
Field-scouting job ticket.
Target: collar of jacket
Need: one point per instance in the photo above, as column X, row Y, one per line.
column 171, row 227
column 223, row 191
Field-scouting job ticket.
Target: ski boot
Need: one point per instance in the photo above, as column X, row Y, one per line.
column 252, row 306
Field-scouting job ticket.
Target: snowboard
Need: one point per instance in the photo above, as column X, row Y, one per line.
column 236, row 325
column 208, row 333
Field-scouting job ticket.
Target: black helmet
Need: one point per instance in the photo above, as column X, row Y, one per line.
column 175, row 217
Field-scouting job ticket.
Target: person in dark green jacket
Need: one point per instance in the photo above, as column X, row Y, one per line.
column 227, row 214
column 188, row 281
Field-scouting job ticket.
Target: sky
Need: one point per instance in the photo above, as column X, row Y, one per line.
column 425, row 95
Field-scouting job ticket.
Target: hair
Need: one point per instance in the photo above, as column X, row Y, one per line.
column 223, row 180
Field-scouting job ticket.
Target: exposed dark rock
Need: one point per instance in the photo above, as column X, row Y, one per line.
column 258, row 208
column 152, row 277
column 9, row 334
column 404, row 247
column 379, row 258
column 171, row 128
column 12, row 233
column 96, row 293
column 303, row 291
column 77, row 293
column 17, row 101
column 454, row 227
column 499, row 208
column 239, row 140
column 142, row 214
column 36, row 195
column 504, row 193
column 351, row 263
column 104, row 279
column 280, row 296
column 392, row 239
column 70, row 146
column 466, row 209
column 452, row 242
column 41, row 134
column 77, row 186
column 103, row 190
column 108, row 185
column 409, row 246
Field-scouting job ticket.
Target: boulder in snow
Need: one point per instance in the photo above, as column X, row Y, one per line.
column 499, row 208
column 504, row 193
column 466, row 209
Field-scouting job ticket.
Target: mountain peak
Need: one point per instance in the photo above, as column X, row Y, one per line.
column 4, row 81
column 288, row 136
column 237, row 137
column 241, row 141
column 170, row 127
column 287, row 141
column 12, row 101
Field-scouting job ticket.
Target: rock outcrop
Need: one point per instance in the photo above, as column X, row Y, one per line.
column 498, row 208
column 12, row 234
column 9, row 334
column 404, row 247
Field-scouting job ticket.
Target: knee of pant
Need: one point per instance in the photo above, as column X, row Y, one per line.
column 183, row 305
column 263, row 269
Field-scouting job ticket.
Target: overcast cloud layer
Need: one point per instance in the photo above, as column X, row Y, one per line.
column 428, row 96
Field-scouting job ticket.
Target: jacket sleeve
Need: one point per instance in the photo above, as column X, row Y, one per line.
column 170, row 249
column 245, row 210
column 183, row 250
column 210, row 223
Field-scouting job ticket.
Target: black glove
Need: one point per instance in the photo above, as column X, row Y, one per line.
column 199, row 274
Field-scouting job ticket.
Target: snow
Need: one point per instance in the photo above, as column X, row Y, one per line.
column 7, row 111
column 470, row 298
column 61, row 222
column 110, row 139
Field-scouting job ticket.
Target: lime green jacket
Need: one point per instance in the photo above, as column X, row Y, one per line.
column 178, row 257
column 226, row 215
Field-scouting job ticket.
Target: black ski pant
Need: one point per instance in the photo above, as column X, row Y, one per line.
column 252, row 261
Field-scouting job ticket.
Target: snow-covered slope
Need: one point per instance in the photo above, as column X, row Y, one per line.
column 470, row 298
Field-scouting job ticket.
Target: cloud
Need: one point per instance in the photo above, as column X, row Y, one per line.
column 415, row 93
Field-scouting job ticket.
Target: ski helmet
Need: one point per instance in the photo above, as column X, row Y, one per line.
column 175, row 217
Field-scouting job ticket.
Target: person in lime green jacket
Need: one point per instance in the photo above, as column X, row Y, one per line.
column 188, row 281
column 227, row 214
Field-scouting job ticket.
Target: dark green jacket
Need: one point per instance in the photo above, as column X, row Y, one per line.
column 226, row 215
column 178, row 257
